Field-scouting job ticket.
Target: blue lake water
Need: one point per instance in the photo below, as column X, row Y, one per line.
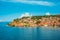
column 28, row 33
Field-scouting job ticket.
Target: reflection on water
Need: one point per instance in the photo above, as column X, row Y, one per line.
column 28, row 33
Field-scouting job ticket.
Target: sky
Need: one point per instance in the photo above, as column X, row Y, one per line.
column 12, row 9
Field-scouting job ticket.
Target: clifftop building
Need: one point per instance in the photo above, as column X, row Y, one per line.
column 47, row 13
column 26, row 15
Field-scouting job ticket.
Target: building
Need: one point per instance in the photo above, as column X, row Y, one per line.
column 26, row 15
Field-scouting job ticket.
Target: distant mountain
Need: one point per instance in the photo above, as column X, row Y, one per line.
column 1, row 21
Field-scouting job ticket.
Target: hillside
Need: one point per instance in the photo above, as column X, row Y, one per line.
column 34, row 21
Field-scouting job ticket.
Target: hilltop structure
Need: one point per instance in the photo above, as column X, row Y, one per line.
column 47, row 13
column 26, row 15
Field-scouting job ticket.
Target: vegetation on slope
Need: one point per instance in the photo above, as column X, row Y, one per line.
column 46, row 20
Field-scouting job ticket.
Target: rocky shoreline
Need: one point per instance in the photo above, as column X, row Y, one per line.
column 35, row 21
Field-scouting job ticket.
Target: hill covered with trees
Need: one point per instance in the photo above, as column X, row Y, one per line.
column 35, row 21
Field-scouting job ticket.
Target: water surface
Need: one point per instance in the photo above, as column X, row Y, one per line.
column 28, row 33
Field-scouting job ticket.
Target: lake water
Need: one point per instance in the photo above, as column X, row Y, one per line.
column 28, row 33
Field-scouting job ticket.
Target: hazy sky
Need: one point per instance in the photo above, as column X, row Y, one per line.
column 11, row 9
